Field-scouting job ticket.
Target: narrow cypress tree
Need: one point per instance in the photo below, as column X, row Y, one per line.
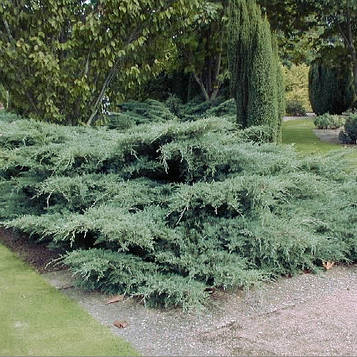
column 253, row 64
column 330, row 89
column 280, row 90
column 238, row 55
column 262, row 103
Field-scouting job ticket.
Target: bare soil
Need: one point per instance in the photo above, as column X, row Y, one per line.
column 35, row 254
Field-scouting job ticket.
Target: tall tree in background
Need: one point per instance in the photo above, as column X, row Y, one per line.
column 291, row 21
column 330, row 88
column 340, row 18
column 253, row 63
column 201, row 48
column 330, row 25
column 58, row 58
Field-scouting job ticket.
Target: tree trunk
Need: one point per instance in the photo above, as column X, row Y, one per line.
column 202, row 86
column 212, row 86
column 217, row 83
column 354, row 60
column 189, row 88
column 95, row 106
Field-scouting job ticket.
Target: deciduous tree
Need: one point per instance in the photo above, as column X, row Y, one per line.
column 201, row 48
column 58, row 58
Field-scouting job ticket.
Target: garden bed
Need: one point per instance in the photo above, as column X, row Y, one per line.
column 36, row 254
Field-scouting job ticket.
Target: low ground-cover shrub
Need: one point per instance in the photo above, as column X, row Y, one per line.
column 198, row 108
column 227, row 108
column 258, row 134
column 135, row 113
column 163, row 211
column 329, row 121
column 174, row 104
column 151, row 111
column 349, row 135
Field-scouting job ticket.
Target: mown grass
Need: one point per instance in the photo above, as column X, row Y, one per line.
column 300, row 133
column 37, row 320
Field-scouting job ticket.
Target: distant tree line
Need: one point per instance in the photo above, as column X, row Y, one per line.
column 65, row 61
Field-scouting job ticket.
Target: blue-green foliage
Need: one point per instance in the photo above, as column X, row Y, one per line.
column 135, row 113
column 198, row 109
column 151, row 111
column 164, row 211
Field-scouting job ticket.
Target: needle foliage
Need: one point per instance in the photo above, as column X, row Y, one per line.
column 165, row 210
column 256, row 73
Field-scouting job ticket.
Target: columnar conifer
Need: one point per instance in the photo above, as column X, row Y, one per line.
column 280, row 89
column 254, row 67
column 330, row 89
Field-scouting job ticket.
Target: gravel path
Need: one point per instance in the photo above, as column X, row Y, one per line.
column 305, row 315
column 308, row 115
column 328, row 135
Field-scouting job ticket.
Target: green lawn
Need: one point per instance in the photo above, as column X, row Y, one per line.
column 300, row 133
column 36, row 319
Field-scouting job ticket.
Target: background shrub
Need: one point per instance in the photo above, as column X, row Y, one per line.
column 197, row 108
column 349, row 135
column 329, row 121
column 224, row 109
column 296, row 79
column 295, row 108
column 174, row 103
column 134, row 113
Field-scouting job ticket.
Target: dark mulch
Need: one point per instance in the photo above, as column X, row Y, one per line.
column 34, row 253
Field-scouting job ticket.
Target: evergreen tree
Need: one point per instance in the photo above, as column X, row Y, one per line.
column 330, row 89
column 280, row 89
column 239, row 56
column 254, row 67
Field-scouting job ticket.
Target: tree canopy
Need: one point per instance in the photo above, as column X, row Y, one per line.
column 58, row 58
column 65, row 61
column 201, row 48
